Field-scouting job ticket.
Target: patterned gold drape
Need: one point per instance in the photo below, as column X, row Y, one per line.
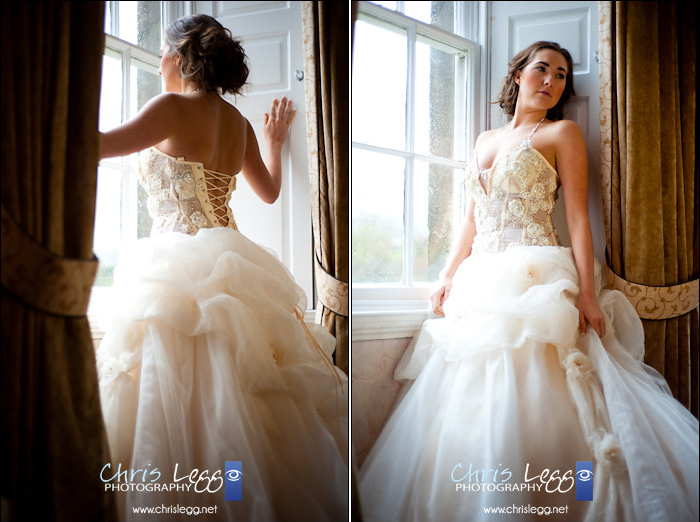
column 325, row 28
column 649, row 177
column 53, row 439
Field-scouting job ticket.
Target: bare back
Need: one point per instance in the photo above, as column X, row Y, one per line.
column 208, row 130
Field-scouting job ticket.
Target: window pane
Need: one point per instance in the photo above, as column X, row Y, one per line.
column 438, row 68
column 148, row 26
column 437, row 208
column 377, row 217
column 388, row 5
column 107, row 233
column 379, row 86
column 418, row 11
column 109, row 15
column 440, row 14
column 146, row 84
column 139, row 23
column 127, row 22
column 107, row 223
column 111, row 91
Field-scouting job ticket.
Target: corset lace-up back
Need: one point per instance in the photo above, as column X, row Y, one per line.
column 217, row 186
column 183, row 196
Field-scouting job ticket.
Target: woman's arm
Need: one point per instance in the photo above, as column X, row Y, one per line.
column 460, row 252
column 153, row 124
column 572, row 166
column 265, row 178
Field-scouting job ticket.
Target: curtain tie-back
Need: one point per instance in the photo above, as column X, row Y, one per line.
column 657, row 302
column 42, row 279
column 332, row 292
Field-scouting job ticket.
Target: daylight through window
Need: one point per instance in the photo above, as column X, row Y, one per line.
column 409, row 121
column 129, row 80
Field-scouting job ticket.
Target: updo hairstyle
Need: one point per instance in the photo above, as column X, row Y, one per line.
column 509, row 92
column 211, row 58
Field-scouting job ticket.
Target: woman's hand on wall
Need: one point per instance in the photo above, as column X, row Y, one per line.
column 277, row 122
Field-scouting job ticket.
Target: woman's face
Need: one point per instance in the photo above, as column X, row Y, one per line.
column 542, row 80
column 169, row 69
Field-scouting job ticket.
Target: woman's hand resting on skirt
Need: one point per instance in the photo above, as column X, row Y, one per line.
column 589, row 311
column 439, row 295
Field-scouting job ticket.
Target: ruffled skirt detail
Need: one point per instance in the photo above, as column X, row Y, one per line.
column 207, row 359
column 504, row 396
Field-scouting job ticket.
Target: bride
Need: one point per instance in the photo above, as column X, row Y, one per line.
column 219, row 401
column 529, row 399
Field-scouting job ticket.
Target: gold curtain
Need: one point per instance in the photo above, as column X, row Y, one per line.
column 325, row 28
column 53, row 438
column 649, row 177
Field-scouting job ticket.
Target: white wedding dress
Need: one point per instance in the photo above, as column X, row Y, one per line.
column 208, row 360
column 505, row 387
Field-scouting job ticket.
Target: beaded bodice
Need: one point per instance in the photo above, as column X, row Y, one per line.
column 514, row 200
column 183, row 196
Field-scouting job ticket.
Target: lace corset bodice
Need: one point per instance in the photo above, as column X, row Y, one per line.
column 183, row 196
column 514, row 200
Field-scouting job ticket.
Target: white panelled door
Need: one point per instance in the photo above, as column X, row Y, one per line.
column 574, row 25
column 271, row 34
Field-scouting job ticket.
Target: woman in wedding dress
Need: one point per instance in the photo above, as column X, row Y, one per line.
column 219, row 401
column 529, row 399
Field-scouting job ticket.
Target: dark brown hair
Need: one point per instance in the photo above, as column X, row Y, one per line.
column 211, row 58
column 509, row 92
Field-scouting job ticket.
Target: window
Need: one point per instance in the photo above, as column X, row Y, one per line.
column 129, row 79
column 412, row 125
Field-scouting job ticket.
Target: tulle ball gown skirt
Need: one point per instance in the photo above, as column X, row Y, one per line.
column 207, row 364
column 509, row 413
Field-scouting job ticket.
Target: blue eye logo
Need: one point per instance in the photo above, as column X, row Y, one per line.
column 233, row 475
column 584, row 475
column 234, row 480
column 584, row 480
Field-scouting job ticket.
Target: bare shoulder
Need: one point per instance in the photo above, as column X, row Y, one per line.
column 568, row 126
column 233, row 120
column 570, row 149
column 565, row 130
column 163, row 107
column 561, row 138
column 484, row 136
column 164, row 101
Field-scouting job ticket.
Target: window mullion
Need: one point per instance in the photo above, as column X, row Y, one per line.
column 126, row 225
column 460, row 122
column 126, row 82
column 408, row 225
column 457, row 164
column 114, row 22
column 410, row 147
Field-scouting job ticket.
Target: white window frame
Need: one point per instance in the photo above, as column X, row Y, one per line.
column 397, row 311
column 101, row 296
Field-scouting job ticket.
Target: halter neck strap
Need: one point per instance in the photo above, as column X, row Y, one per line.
column 535, row 129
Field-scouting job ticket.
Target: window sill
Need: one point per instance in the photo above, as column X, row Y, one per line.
column 375, row 320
